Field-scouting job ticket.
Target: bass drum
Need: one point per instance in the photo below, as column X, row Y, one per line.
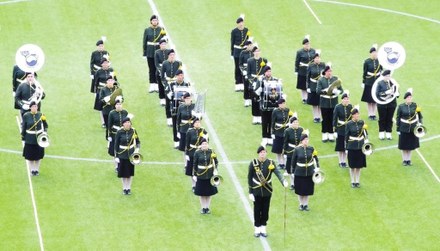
column 272, row 92
column 178, row 98
column 382, row 98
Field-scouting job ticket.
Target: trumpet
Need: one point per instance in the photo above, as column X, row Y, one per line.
column 216, row 180
column 367, row 149
column 419, row 131
column 136, row 158
column 43, row 140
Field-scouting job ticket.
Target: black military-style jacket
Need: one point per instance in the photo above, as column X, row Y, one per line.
column 96, row 59
column 100, row 79
column 183, row 117
column 33, row 125
column 327, row 101
column 271, row 101
column 115, row 121
column 372, row 71
column 254, row 68
column 170, row 92
column 303, row 59
column 382, row 87
column 304, row 161
column 313, row 75
column 260, row 177
column 193, row 137
column 106, row 92
column 169, row 71
column 204, row 163
column 151, row 40
column 280, row 120
column 292, row 137
column 355, row 135
column 126, row 141
column 159, row 57
column 238, row 38
column 341, row 116
column 407, row 117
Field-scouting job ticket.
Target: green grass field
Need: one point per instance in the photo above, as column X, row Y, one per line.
column 78, row 198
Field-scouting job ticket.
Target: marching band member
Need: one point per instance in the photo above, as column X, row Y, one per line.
column 168, row 75
column 279, row 122
column 255, row 67
column 184, row 119
column 34, row 123
column 355, row 137
column 126, row 143
column 267, row 105
column 100, row 80
column 327, row 102
column 372, row 71
column 260, row 188
column 194, row 137
column 18, row 77
column 292, row 136
column 407, row 118
column 386, row 111
column 104, row 97
column 96, row 62
column 204, row 167
column 26, row 92
column 305, row 163
column 304, row 57
column 160, row 56
column 341, row 116
column 170, row 90
column 313, row 73
column 239, row 35
column 115, row 118
column 244, row 56
column 152, row 36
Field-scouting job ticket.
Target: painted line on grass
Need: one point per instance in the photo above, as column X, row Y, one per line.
column 13, row 1
column 381, row 9
column 311, row 11
column 214, row 136
column 428, row 165
column 31, row 188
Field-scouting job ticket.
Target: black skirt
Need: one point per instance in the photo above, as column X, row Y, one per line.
column 356, row 159
column 408, row 141
column 126, row 169
column 204, row 188
column 182, row 141
column 98, row 104
column 340, row 143
column 289, row 164
column 304, row 185
column 189, row 167
column 301, row 82
column 313, row 99
column 277, row 146
column 111, row 147
column 366, row 95
column 33, row 152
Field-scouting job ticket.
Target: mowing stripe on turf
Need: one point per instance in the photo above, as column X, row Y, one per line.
column 311, row 11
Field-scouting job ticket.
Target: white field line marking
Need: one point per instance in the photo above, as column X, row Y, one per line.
column 13, row 1
column 217, row 142
column 311, row 11
column 381, row 9
column 31, row 188
column 429, row 166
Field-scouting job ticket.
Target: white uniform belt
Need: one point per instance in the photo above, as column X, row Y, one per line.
column 116, row 127
column 152, row 43
column 238, row 47
column 279, row 125
column 407, row 121
column 20, row 80
column 245, row 64
column 341, row 122
column 96, row 67
column 291, row 145
column 34, row 132
column 303, row 64
column 259, row 183
column 101, row 84
column 192, row 146
column 253, row 75
column 372, row 73
column 356, row 138
column 26, row 102
column 304, row 164
column 313, row 80
column 204, row 167
column 327, row 96
column 184, row 121
column 127, row 147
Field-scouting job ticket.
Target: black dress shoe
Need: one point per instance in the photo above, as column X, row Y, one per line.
column 358, row 185
column 404, row 163
column 292, row 187
column 353, row 185
column 306, row 208
column 301, row 208
column 207, row 211
column 256, row 235
column 263, row 235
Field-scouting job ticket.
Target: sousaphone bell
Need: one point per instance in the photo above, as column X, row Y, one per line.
column 43, row 140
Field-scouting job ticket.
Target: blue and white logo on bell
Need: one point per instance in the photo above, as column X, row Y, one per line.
column 391, row 55
column 29, row 58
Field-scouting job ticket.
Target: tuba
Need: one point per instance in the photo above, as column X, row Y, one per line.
column 43, row 140
column 136, row 158
column 419, row 131
column 216, row 180
column 389, row 97
column 367, row 149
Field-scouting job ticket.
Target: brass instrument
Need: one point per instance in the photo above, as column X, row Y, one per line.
column 136, row 158
column 419, row 131
column 43, row 140
column 216, row 180
column 117, row 94
column 367, row 149
column 383, row 100
column 335, row 84
column 319, row 176
column 29, row 58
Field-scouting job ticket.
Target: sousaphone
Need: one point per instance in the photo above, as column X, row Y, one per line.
column 383, row 100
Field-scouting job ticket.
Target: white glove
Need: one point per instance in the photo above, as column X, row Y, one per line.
column 195, row 178
column 285, row 174
column 215, row 171
column 324, row 90
column 170, row 95
column 308, row 90
column 418, row 124
column 92, row 77
column 130, row 116
column 25, row 107
column 335, row 134
column 13, row 94
column 285, row 183
column 388, row 91
column 336, row 91
column 187, row 157
column 245, row 73
column 398, row 133
column 144, row 57
column 136, row 150
column 117, row 160
column 316, row 170
column 366, row 141
column 109, row 139
column 362, row 85
column 232, row 57
column 296, row 73
column 251, row 197
column 107, row 99
column 178, row 135
column 272, row 136
column 285, row 156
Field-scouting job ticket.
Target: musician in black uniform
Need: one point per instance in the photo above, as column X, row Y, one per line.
column 355, row 137
column 96, row 60
column 152, row 36
column 126, row 143
column 194, row 136
column 260, row 188
column 99, row 81
column 268, row 89
column 184, row 119
column 104, row 96
column 305, row 163
column 34, row 123
column 18, row 77
column 279, row 123
column 385, row 91
column 26, row 92
column 255, row 66
column 168, row 75
column 304, row 57
column 239, row 35
column 205, row 166
column 372, row 71
column 407, row 118
column 313, row 74
column 160, row 56
column 341, row 116
column 173, row 90
column 115, row 118
column 327, row 102
column 244, row 56
column 292, row 136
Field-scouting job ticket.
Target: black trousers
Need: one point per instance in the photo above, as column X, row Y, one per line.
column 255, row 108
column 327, row 120
column 174, row 119
column 160, row 85
column 167, row 107
column 106, row 125
column 152, row 70
column 238, row 79
column 266, row 122
column 247, row 88
column 386, row 113
column 261, row 210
